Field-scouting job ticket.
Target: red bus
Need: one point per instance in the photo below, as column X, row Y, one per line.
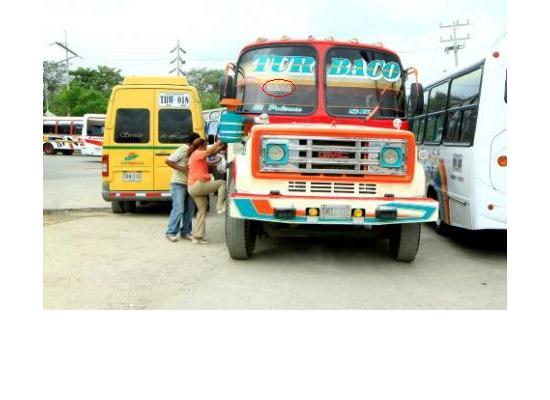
column 319, row 142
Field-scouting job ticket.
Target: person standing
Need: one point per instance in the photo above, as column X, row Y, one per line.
column 183, row 206
column 201, row 184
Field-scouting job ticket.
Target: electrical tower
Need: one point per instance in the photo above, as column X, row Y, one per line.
column 66, row 61
column 455, row 46
column 178, row 60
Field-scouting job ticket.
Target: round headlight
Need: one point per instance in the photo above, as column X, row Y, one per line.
column 275, row 152
column 390, row 156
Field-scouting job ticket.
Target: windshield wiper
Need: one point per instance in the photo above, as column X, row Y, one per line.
column 378, row 105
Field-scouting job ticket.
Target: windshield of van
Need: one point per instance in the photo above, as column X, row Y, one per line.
column 357, row 80
column 278, row 80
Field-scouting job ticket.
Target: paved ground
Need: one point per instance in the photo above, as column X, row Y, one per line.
column 72, row 182
column 98, row 260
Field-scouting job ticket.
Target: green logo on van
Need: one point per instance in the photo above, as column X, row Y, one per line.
column 131, row 156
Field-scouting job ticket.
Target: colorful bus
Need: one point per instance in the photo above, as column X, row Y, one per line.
column 61, row 134
column 92, row 134
column 461, row 134
column 318, row 143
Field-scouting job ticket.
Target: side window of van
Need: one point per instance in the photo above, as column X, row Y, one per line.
column 175, row 125
column 132, row 125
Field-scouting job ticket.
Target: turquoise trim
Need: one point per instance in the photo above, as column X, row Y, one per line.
column 248, row 211
column 397, row 164
column 283, row 160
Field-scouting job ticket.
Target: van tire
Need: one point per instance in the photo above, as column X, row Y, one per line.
column 129, row 206
column 240, row 237
column 67, row 152
column 49, row 149
column 404, row 242
column 117, row 208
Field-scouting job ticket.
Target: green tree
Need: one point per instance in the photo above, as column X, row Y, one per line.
column 79, row 100
column 88, row 91
column 101, row 79
column 53, row 79
column 207, row 82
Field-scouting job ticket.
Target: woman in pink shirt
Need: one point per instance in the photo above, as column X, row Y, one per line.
column 201, row 184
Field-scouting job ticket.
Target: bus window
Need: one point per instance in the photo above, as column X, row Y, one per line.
column 453, row 127
column 468, row 126
column 49, row 128
column 465, row 89
column 439, row 128
column 414, row 128
column 64, row 129
column 132, row 125
column 96, row 128
column 421, row 126
column 175, row 125
column 438, row 97
column 430, row 129
column 77, row 129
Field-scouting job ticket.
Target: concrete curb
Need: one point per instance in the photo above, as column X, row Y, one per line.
column 67, row 210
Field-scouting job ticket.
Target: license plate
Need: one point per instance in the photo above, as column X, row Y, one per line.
column 335, row 212
column 131, row 176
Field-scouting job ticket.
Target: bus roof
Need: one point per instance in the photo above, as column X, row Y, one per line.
column 351, row 43
column 67, row 119
column 156, row 80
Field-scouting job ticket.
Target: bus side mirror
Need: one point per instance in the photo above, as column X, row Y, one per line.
column 416, row 98
column 227, row 87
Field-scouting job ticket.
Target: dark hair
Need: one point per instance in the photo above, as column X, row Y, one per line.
column 191, row 137
column 198, row 142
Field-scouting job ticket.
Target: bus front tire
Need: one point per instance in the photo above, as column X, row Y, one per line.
column 117, row 207
column 404, row 242
column 240, row 237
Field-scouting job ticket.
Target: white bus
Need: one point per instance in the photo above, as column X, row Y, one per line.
column 92, row 134
column 61, row 134
column 461, row 137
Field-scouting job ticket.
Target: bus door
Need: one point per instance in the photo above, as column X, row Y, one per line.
column 173, row 123
column 130, row 150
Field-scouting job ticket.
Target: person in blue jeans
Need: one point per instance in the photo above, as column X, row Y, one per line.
column 183, row 206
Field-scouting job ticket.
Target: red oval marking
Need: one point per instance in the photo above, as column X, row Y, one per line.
column 293, row 89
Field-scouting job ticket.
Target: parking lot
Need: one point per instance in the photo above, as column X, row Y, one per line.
column 94, row 259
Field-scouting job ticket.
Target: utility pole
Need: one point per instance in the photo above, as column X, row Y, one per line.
column 455, row 47
column 178, row 60
column 67, row 58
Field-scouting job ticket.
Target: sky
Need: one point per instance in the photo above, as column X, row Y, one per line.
column 137, row 37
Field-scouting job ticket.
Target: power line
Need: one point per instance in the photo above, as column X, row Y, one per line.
column 455, row 46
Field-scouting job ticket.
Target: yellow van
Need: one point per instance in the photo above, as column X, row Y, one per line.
column 147, row 119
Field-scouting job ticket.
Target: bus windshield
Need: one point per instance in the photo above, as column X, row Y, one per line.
column 278, row 80
column 357, row 80
column 95, row 127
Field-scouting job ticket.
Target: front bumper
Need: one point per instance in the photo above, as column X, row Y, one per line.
column 273, row 208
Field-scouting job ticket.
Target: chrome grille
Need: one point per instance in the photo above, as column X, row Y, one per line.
column 336, row 156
